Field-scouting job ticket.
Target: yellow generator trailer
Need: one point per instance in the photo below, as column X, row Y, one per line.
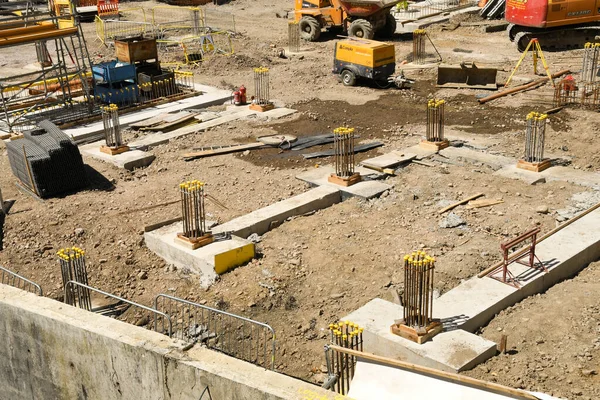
column 362, row 58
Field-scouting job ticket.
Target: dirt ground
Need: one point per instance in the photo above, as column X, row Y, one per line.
column 315, row 269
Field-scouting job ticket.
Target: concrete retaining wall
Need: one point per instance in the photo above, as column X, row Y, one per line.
column 54, row 351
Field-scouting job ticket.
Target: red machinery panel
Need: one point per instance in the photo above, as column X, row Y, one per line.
column 531, row 13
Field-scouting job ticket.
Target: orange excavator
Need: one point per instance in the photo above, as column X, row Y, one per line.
column 558, row 24
column 359, row 18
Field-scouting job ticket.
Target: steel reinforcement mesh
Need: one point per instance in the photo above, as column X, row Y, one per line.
column 47, row 161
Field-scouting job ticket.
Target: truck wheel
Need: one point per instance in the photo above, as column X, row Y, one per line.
column 389, row 28
column 348, row 77
column 310, row 28
column 361, row 28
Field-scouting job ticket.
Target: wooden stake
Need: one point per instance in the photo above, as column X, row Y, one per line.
column 502, row 347
column 483, row 203
column 451, row 206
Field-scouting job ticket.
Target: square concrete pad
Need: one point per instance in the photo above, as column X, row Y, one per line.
column 367, row 189
column 452, row 351
column 208, row 261
column 128, row 160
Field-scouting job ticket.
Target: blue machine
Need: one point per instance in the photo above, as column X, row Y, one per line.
column 115, row 82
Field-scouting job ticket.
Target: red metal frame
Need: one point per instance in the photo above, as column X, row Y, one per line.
column 510, row 258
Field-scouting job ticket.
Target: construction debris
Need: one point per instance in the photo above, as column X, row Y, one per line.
column 483, row 203
column 218, row 150
column 458, row 203
column 522, row 88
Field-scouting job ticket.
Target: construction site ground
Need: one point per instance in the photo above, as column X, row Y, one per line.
column 314, row 269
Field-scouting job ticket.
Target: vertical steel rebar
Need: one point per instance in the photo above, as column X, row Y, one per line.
column 294, row 36
column 418, row 289
column 193, row 210
column 112, row 128
column 261, row 86
column 418, row 46
column 343, row 144
column 72, row 265
column 435, row 121
column 535, row 137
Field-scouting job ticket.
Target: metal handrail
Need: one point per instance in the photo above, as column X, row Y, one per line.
column 26, row 282
column 234, row 316
column 154, row 311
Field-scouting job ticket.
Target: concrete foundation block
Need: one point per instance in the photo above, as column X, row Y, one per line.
column 452, row 351
column 208, row 261
column 260, row 221
column 128, row 160
column 366, row 189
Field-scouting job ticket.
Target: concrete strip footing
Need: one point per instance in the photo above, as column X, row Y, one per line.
column 565, row 253
column 264, row 219
column 55, row 351
column 210, row 96
column 452, row 351
column 493, row 160
column 366, row 189
column 476, row 301
column 208, row 261
column 128, row 160
column 558, row 173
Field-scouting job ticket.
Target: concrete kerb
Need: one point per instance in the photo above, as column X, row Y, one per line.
column 264, row 219
column 210, row 96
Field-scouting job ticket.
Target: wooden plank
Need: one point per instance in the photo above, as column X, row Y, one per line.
column 423, row 163
column 459, row 379
column 171, row 122
column 388, row 160
column 224, row 150
column 483, row 203
column 388, row 171
column 458, row 203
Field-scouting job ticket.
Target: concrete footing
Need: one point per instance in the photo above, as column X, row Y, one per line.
column 452, row 351
column 128, row 160
column 208, row 261
column 367, row 189
column 209, row 96
column 265, row 219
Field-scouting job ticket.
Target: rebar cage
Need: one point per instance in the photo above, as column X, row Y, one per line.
column 435, row 121
column 343, row 144
column 418, row 289
column 192, row 208
column 535, row 137
column 72, row 268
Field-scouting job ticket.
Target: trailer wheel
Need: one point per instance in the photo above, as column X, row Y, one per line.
column 361, row 28
column 389, row 28
column 310, row 28
column 348, row 77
